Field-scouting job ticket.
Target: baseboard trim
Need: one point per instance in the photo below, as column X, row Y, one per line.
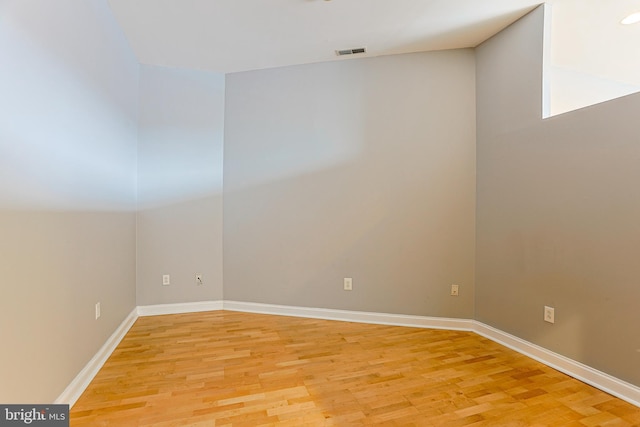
column 179, row 308
column 605, row 382
column 77, row 386
column 600, row 380
column 352, row 316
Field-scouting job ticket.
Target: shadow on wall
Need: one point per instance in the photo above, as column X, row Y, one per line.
column 390, row 203
column 559, row 228
column 180, row 239
column 55, row 267
column 293, row 241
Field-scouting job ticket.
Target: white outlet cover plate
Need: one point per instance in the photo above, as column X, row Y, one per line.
column 549, row 314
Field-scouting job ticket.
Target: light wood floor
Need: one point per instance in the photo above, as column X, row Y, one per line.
column 224, row 368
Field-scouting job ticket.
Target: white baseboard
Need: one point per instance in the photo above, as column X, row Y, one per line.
column 580, row 371
column 352, row 316
column 75, row 389
column 185, row 307
column 584, row 373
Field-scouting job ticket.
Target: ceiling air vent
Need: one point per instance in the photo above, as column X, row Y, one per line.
column 351, row 51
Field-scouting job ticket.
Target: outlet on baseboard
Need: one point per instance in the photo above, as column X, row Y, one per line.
column 454, row 290
column 348, row 284
column 166, row 280
column 97, row 311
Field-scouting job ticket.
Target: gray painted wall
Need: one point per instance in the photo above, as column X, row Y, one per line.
column 363, row 169
column 179, row 185
column 67, row 191
column 557, row 211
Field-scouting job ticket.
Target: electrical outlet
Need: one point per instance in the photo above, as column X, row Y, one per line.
column 199, row 279
column 549, row 314
column 454, row 290
column 348, row 284
column 97, row 311
column 166, row 280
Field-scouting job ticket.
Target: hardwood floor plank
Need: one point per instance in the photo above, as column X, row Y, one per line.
column 234, row 369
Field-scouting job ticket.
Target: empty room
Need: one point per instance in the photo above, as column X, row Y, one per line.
column 320, row 212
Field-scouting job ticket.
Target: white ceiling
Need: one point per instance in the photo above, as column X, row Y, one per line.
column 593, row 56
column 238, row 35
column 587, row 36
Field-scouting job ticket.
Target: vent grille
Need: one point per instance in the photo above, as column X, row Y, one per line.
column 353, row 51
